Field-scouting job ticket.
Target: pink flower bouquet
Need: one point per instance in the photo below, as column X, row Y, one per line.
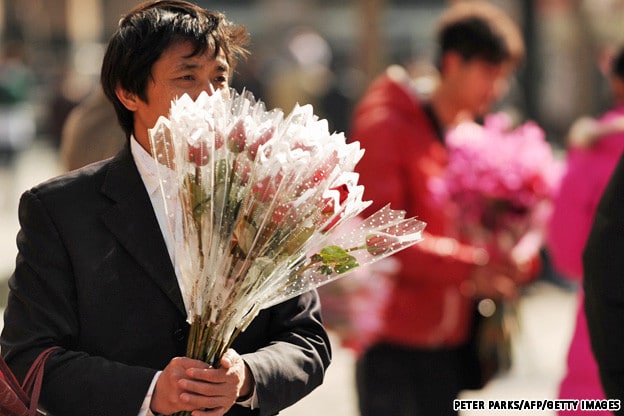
column 255, row 199
column 500, row 181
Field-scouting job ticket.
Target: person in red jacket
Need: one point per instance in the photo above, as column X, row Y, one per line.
column 418, row 364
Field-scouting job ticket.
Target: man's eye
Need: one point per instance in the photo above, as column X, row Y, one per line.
column 187, row 77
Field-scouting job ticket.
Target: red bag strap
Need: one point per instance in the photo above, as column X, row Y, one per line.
column 28, row 393
column 34, row 380
column 11, row 380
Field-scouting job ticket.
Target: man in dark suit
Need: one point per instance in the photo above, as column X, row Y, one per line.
column 603, row 268
column 93, row 272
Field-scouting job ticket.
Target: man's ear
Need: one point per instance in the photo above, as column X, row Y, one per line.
column 127, row 98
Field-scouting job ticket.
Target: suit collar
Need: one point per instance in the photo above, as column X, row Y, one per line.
column 132, row 220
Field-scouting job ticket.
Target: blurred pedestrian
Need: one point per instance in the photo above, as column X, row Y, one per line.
column 594, row 148
column 423, row 355
column 17, row 115
column 90, row 133
column 17, row 118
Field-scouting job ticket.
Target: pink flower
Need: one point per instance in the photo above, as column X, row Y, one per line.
column 497, row 175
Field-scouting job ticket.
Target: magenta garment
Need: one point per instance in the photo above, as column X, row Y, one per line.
column 588, row 172
column 581, row 380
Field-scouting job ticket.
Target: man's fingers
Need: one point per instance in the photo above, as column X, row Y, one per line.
column 230, row 358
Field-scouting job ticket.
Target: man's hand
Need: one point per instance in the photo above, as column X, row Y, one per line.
column 500, row 280
column 493, row 282
column 187, row 384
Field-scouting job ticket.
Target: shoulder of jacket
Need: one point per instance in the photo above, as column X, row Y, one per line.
column 70, row 182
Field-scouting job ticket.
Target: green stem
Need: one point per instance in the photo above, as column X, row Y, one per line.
column 198, row 181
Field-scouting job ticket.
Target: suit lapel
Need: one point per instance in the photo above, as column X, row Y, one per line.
column 133, row 222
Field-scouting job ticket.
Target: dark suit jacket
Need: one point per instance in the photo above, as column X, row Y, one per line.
column 93, row 275
column 603, row 269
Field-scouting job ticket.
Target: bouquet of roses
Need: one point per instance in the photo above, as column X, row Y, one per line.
column 254, row 199
column 500, row 181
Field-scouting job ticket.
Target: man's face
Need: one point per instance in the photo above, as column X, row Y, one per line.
column 480, row 85
column 174, row 74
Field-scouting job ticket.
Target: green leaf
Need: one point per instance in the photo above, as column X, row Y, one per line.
column 347, row 265
column 335, row 259
column 325, row 270
column 333, row 254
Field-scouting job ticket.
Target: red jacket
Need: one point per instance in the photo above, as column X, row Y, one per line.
column 402, row 152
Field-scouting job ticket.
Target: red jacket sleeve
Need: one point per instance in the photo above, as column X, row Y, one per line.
column 401, row 155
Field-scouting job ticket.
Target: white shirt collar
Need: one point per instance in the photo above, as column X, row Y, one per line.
column 146, row 165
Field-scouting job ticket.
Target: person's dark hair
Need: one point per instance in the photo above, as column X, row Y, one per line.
column 617, row 64
column 479, row 30
column 148, row 30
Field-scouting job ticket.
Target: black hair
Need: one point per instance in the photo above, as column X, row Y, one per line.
column 617, row 65
column 473, row 38
column 479, row 30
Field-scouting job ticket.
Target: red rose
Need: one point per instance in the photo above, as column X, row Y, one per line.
column 243, row 171
column 378, row 245
column 264, row 137
column 280, row 213
column 198, row 153
column 266, row 188
column 238, row 137
column 321, row 173
column 331, row 208
column 343, row 194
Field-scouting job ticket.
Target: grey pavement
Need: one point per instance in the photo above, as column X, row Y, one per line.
column 539, row 352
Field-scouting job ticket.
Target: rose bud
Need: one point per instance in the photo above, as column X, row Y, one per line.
column 265, row 189
column 264, row 137
column 198, row 153
column 334, row 203
column 280, row 213
column 378, row 245
column 243, row 171
column 237, row 138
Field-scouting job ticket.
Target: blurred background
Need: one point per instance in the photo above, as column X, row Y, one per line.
column 323, row 52
column 330, row 46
